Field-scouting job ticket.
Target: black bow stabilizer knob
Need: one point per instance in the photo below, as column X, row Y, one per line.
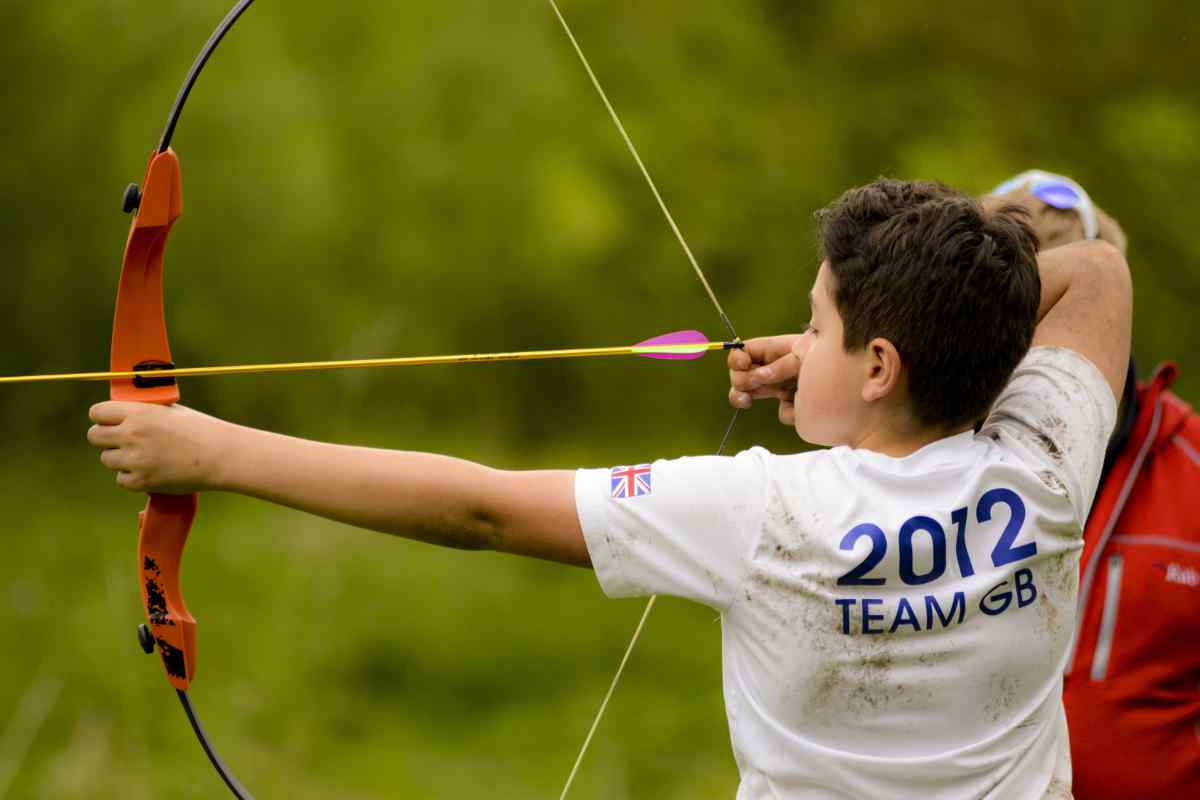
column 132, row 200
column 146, row 639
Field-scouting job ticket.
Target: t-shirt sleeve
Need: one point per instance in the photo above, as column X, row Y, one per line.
column 685, row 527
column 1060, row 410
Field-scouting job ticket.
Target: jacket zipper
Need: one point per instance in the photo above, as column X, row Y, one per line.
column 1108, row 622
column 1089, row 568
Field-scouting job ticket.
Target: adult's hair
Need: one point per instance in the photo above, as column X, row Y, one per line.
column 953, row 287
column 1058, row 226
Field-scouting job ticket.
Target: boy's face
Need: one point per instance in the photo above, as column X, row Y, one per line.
column 829, row 386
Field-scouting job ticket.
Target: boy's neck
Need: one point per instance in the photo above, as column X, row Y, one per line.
column 898, row 444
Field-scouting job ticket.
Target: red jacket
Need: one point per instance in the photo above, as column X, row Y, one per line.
column 1132, row 688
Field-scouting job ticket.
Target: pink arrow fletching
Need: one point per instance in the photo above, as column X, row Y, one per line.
column 680, row 345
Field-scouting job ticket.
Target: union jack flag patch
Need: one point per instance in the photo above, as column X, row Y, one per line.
column 631, row 481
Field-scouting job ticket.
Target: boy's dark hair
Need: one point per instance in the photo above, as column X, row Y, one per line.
column 953, row 287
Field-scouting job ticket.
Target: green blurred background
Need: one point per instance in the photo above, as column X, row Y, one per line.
column 433, row 176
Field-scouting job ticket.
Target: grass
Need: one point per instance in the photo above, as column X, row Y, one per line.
column 334, row 663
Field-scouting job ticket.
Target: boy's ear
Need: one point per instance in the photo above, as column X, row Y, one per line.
column 883, row 368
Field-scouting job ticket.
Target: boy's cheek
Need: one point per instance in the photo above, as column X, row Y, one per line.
column 821, row 416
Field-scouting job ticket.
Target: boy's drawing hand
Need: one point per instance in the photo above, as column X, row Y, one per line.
column 164, row 449
column 766, row 368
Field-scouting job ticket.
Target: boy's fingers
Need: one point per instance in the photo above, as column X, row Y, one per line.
column 747, row 383
column 787, row 412
column 755, row 351
column 113, row 459
column 744, row 399
column 111, row 412
column 763, row 348
column 739, row 360
column 772, row 376
column 766, row 349
column 740, row 400
column 102, row 436
column 779, row 370
column 130, row 482
column 741, row 380
column 752, row 349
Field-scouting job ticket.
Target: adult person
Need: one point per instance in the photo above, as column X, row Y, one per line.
column 1132, row 689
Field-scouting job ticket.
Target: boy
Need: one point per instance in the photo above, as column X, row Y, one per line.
column 895, row 609
column 1130, row 696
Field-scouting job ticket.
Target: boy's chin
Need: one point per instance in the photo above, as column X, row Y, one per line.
column 815, row 435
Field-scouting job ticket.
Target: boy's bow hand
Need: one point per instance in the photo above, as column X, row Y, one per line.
column 163, row 449
column 766, row 367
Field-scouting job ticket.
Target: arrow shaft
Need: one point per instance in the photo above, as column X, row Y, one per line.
column 363, row 363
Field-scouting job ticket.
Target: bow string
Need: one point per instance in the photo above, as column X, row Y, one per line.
column 633, row 151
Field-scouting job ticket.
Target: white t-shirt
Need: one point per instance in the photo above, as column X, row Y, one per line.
column 892, row 627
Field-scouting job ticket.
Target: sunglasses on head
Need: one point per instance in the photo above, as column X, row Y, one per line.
column 1058, row 191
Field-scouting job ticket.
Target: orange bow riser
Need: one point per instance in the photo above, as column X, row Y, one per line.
column 139, row 343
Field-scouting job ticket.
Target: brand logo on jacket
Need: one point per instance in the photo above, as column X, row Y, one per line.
column 1186, row 576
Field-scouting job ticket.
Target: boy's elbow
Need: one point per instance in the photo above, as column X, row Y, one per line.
column 1108, row 261
column 1101, row 282
column 532, row 513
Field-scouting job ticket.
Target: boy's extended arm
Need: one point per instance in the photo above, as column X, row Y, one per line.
column 1086, row 306
column 431, row 498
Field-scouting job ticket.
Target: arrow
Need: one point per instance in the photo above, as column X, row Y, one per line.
column 678, row 345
